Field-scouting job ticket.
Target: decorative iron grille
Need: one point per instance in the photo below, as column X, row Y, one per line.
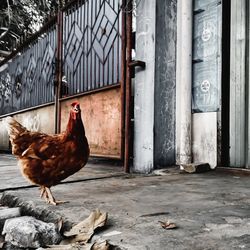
column 27, row 79
column 91, row 45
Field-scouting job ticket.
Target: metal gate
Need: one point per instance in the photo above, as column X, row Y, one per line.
column 81, row 51
column 27, row 75
column 92, row 45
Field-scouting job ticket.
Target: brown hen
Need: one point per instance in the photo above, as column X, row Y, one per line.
column 45, row 160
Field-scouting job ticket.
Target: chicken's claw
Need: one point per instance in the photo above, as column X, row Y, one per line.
column 48, row 197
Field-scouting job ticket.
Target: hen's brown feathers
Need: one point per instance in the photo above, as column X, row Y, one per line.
column 47, row 159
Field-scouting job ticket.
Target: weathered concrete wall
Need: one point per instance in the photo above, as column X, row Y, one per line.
column 204, row 138
column 4, row 139
column 144, row 87
column 36, row 120
column 101, row 114
column 165, row 83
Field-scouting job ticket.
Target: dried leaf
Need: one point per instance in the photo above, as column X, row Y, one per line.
column 83, row 231
column 70, row 247
column 168, row 225
column 104, row 245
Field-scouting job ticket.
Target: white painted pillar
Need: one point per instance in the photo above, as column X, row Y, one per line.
column 144, row 87
column 237, row 120
column 184, row 82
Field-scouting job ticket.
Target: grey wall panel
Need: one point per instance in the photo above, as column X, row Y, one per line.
column 165, row 83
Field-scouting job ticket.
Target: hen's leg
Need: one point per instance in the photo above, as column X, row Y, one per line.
column 51, row 198
column 44, row 194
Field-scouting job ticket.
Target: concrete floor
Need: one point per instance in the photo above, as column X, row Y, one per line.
column 211, row 210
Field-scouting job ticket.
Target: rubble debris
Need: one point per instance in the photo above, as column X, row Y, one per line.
column 195, row 167
column 26, row 231
column 168, row 225
column 10, row 199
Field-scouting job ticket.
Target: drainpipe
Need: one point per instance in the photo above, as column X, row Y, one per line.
column 184, row 82
column 58, row 71
column 247, row 95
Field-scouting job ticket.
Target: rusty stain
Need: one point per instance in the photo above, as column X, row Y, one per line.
column 101, row 113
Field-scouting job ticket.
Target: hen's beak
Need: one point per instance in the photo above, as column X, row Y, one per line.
column 76, row 109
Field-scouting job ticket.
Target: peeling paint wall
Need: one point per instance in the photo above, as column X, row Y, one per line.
column 165, row 83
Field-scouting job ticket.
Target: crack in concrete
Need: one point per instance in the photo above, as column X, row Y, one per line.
column 65, row 182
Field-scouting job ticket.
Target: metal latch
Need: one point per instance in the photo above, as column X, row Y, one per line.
column 137, row 63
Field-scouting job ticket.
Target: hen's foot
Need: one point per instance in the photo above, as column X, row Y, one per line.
column 50, row 199
column 57, row 202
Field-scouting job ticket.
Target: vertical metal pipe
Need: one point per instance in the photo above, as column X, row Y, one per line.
column 225, row 80
column 123, row 77
column 184, row 81
column 58, row 71
column 128, row 86
column 247, row 95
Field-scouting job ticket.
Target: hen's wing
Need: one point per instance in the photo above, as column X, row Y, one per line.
column 44, row 147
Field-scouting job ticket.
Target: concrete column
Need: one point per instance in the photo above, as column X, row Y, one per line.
column 165, row 84
column 184, row 82
column 144, row 87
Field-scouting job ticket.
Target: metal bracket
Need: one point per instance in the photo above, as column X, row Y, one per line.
column 197, row 60
column 198, row 11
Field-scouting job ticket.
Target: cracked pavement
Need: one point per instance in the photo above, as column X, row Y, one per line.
column 211, row 210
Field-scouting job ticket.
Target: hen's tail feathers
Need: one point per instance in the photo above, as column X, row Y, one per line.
column 13, row 127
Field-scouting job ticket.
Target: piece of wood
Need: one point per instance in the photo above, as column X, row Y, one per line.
column 196, row 167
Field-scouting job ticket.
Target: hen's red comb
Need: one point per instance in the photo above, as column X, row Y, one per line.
column 73, row 104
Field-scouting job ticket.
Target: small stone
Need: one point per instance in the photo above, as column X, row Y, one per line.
column 27, row 231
